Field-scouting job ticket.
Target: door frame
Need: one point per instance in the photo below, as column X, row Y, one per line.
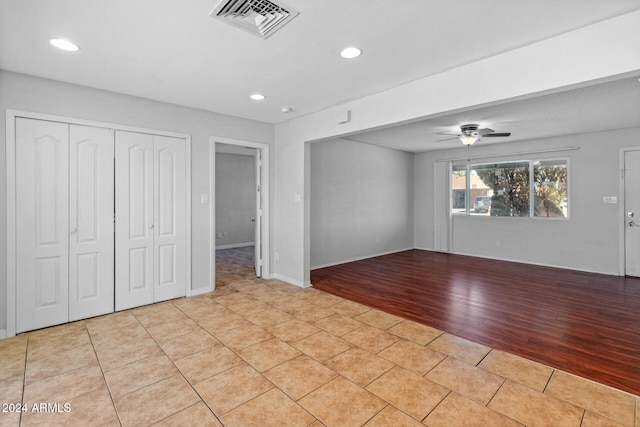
column 621, row 205
column 265, row 190
column 10, row 160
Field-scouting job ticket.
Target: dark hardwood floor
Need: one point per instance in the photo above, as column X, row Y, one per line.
column 583, row 323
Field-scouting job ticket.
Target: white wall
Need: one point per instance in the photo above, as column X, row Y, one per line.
column 361, row 201
column 597, row 52
column 235, row 199
column 21, row 92
column 588, row 240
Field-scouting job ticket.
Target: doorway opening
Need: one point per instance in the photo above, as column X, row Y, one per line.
column 239, row 183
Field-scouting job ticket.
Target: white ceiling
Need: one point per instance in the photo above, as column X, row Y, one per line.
column 172, row 51
column 601, row 107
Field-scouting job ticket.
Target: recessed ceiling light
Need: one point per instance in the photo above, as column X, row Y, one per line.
column 257, row 97
column 64, row 45
column 350, row 52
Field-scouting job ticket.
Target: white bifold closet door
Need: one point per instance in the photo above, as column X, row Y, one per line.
column 64, row 222
column 91, row 216
column 151, row 218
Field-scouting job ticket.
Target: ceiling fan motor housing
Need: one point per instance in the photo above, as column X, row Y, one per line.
column 469, row 129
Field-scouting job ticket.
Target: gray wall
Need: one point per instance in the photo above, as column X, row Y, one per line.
column 32, row 94
column 235, row 199
column 589, row 240
column 361, row 201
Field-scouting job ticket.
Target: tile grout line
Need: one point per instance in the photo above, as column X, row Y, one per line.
column 24, row 377
column 437, row 405
column 274, row 386
column 179, row 371
column 546, row 386
column 262, row 374
column 504, row 381
column 270, row 305
column 493, row 397
column 380, row 411
column 115, row 409
column 352, row 346
column 484, row 357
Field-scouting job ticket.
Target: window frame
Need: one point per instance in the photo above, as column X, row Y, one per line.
column 532, row 187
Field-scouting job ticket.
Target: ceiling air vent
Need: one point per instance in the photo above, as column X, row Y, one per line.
column 259, row 17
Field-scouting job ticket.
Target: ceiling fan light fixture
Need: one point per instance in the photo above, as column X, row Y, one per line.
column 470, row 139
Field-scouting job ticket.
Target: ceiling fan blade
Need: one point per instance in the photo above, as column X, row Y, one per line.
column 446, row 133
column 447, row 139
column 485, row 131
column 497, row 134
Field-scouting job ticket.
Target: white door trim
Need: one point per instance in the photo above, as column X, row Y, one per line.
column 257, row 232
column 264, row 151
column 621, row 204
column 10, row 160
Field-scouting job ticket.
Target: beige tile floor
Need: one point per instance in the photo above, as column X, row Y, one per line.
column 264, row 353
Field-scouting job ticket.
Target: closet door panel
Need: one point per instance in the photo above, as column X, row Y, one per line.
column 91, row 210
column 42, row 223
column 134, row 219
column 170, row 217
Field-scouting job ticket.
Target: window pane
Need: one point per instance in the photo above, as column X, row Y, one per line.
column 550, row 184
column 507, row 186
column 458, row 190
column 479, row 195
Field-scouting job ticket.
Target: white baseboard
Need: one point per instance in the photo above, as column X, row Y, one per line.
column 315, row 267
column 291, row 281
column 201, row 291
column 540, row 264
column 235, row 245
column 3, row 334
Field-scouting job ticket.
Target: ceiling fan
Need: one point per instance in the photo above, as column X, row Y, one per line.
column 470, row 133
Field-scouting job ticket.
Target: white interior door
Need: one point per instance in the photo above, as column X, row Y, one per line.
column 91, row 228
column 170, row 218
column 258, row 222
column 134, row 219
column 42, row 223
column 632, row 212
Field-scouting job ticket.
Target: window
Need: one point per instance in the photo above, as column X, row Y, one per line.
column 508, row 189
column 459, row 189
column 550, row 183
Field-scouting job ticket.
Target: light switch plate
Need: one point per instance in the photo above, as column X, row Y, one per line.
column 612, row 200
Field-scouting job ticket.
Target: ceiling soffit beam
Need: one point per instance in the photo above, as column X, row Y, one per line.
column 598, row 52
